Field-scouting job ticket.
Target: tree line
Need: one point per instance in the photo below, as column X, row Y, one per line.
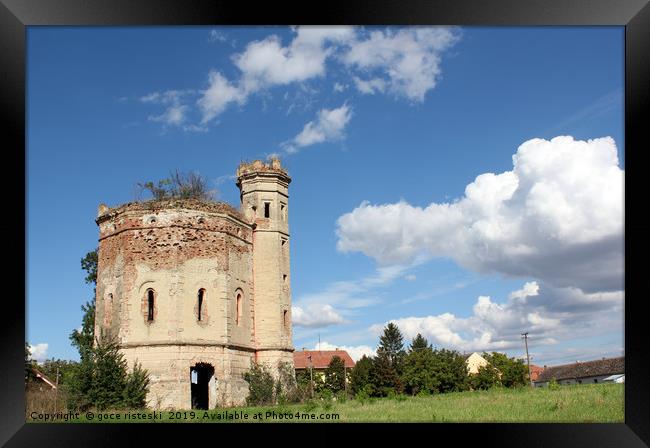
column 423, row 370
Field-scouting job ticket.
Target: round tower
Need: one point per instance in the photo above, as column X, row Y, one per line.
column 175, row 287
column 264, row 193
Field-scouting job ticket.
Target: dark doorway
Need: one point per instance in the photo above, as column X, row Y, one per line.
column 200, row 376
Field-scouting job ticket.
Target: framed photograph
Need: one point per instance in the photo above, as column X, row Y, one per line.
column 356, row 213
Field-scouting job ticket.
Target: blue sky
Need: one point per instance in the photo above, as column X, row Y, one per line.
column 403, row 125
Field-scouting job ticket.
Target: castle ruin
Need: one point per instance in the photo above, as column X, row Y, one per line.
column 197, row 290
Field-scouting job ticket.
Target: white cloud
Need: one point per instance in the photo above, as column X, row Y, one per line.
column 219, row 94
column 530, row 289
column 407, row 60
column 267, row 62
column 370, row 86
column 548, row 314
column 328, row 126
column 216, row 36
column 341, row 300
column 405, row 63
column 557, row 217
column 315, row 316
column 39, row 352
column 173, row 116
column 355, row 352
column 410, row 277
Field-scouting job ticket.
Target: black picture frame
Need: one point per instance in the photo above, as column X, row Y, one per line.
column 16, row 15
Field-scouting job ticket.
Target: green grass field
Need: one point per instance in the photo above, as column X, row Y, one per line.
column 583, row 403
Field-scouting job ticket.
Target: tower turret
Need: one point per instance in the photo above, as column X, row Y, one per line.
column 265, row 202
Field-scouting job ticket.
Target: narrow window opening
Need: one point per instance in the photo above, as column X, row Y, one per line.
column 200, row 307
column 284, row 241
column 285, row 320
column 283, row 211
column 150, row 304
column 238, row 320
column 267, row 210
column 284, row 278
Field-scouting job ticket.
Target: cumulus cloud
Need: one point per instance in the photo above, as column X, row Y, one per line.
column 329, row 125
column 315, row 316
column 219, row 94
column 405, row 63
column 557, row 217
column 39, row 352
column 266, row 63
column 355, row 352
column 548, row 314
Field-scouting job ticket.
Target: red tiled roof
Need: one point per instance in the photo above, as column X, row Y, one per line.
column 584, row 369
column 319, row 359
column 535, row 371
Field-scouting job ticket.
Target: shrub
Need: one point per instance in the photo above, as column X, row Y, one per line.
column 260, row 385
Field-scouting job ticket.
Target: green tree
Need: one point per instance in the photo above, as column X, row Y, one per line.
column 65, row 370
column 335, row 375
column 449, row 371
column 513, row 371
column 260, row 385
column 419, row 371
column 136, row 387
column 83, row 340
column 383, row 376
column 360, row 374
column 486, row 378
column 419, row 343
column 391, row 344
column 101, row 378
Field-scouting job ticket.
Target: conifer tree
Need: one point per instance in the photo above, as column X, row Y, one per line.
column 360, row 375
column 419, row 343
column 391, row 344
column 335, row 375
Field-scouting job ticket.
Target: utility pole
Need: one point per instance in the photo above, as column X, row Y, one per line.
column 530, row 378
column 311, row 377
column 56, row 394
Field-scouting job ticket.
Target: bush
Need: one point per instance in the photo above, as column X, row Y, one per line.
column 179, row 186
column 553, row 384
column 260, row 385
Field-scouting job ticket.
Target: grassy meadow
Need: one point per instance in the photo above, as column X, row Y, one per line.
column 580, row 403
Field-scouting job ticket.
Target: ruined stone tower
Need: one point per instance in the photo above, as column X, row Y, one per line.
column 195, row 291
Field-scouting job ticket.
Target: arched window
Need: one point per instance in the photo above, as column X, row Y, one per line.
column 239, row 305
column 200, row 303
column 150, row 305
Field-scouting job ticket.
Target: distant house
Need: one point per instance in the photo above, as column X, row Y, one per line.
column 318, row 360
column 535, row 372
column 588, row 372
column 474, row 361
column 41, row 376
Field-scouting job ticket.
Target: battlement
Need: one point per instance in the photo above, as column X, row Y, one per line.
column 260, row 167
